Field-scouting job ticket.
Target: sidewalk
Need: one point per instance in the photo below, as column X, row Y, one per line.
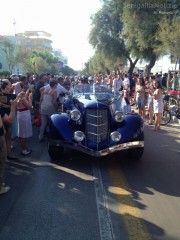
column 175, row 123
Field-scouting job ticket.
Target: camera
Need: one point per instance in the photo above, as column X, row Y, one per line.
column 7, row 97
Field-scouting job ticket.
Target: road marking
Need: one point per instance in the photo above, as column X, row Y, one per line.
column 105, row 224
column 135, row 227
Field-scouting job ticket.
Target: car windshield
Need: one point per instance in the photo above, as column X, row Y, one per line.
column 93, row 91
column 102, row 93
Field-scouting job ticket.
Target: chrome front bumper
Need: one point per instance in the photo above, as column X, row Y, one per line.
column 95, row 153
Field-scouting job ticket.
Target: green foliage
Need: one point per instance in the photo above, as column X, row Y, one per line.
column 138, row 29
column 37, row 61
column 107, row 38
column 143, row 21
column 100, row 63
column 8, row 47
column 67, row 71
column 106, row 31
column 5, row 74
column 32, row 61
column 169, row 35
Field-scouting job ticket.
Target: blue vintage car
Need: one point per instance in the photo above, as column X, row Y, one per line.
column 98, row 122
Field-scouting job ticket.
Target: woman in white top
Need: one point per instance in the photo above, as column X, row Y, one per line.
column 24, row 123
column 158, row 104
column 140, row 96
column 126, row 82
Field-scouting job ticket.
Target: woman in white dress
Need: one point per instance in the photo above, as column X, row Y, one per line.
column 140, row 96
column 24, row 123
column 158, row 104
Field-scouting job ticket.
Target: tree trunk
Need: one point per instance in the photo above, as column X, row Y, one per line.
column 132, row 65
column 150, row 65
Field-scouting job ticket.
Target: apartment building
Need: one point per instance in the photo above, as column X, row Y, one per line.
column 30, row 40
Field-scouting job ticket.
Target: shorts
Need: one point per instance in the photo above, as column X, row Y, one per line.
column 140, row 102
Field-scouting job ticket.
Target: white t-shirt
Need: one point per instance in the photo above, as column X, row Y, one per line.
column 117, row 84
column 17, row 88
column 60, row 89
column 126, row 84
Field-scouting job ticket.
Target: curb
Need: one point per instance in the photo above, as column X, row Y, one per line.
column 173, row 125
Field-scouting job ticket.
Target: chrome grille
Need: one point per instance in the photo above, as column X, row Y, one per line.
column 96, row 125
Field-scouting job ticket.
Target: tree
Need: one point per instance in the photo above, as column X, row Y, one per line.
column 106, row 35
column 169, row 35
column 100, row 63
column 9, row 48
column 143, row 22
column 67, row 71
column 31, row 61
column 37, row 61
column 95, row 64
column 44, row 62
column 131, row 29
column 140, row 27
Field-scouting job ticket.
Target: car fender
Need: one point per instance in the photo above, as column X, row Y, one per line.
column 60, row 127
column 132, row 128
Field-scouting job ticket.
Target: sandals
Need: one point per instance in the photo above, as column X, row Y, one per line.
column 4, row 189
column 26, row 152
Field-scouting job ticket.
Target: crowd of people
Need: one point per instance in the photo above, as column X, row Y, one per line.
column 141, row 91
column 22, row 97
column 41, row 95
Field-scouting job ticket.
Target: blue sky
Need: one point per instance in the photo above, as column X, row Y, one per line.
column 67, row 20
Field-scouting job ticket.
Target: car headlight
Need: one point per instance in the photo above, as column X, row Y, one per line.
column 75, row 115
column 119, row 116
column 79, row 136
column 115, row 136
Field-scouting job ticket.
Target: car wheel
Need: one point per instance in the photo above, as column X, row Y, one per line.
column 55, row 152
column 136, row 153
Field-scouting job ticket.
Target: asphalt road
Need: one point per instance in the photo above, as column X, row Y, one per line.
column 95, row 199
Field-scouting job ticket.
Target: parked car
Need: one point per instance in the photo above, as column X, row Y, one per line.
column 96, row 121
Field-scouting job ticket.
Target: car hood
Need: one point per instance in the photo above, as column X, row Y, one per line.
column 86, row 103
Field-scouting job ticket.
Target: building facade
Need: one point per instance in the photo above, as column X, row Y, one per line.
column 29, row 40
